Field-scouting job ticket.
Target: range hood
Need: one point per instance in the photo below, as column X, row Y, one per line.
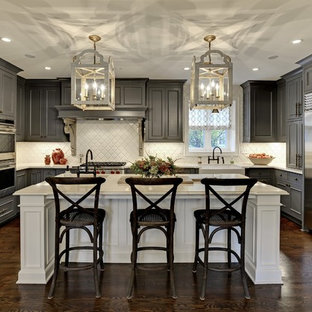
column 70, row 114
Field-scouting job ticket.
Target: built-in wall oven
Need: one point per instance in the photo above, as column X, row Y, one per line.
column 7, row 157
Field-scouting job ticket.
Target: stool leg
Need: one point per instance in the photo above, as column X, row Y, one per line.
column 67, row 248
column 172, row 282
column 133, row 261
column 56, row 262
column 95, row 271
column 242, row 260
column 204, row 282
column 196, row 248
column 229, row 247
column 101, row 253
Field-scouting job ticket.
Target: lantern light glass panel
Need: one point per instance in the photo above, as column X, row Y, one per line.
column 93, row 85
column 211, row 84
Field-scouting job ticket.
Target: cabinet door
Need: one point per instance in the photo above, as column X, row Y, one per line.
column 295, row 195
column 294, row 144
column 21, row 179
column 20, row 110
column 130, row 93
column 47, row 173
column 285, row 199
column 263, row 113
column 35, row 176
column 33, row 114
column 8, row 94
column 294, row 97
column 173, row 118
column 307, row 80
column 52, row 126
column 66, row 92
column 281, row 112
column 156, row 114
column 8, row 208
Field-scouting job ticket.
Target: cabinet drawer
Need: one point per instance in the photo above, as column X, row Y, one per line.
column 281, row 175
column 7, row 208
column 295, row 179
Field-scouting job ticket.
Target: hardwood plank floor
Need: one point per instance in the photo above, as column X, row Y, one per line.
column 76, row 291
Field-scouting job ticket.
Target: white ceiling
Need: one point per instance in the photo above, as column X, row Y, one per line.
column 156, row 38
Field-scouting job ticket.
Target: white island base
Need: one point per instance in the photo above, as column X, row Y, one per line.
column 37, row 230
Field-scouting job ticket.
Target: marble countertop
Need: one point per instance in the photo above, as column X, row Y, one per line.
column 21, row 166
column 112, row 188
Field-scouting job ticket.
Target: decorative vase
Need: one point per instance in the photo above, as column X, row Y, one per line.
column 47, row 160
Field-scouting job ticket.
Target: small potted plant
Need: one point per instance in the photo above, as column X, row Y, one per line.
column 154, row 167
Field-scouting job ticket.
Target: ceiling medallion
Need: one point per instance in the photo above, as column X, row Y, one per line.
column 211, row 81
column 93, row 80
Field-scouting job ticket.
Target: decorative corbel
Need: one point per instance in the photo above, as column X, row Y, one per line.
column 70, row 128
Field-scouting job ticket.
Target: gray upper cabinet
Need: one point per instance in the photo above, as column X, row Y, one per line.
column 307, row 80
column 20, row 110
column 130, row 92
column 165, row 111
column 294, row 144
column 8, row 84
column 259, row 111
column 42, row 123
column 281, row 111
column 294, row 97
column 65, row 91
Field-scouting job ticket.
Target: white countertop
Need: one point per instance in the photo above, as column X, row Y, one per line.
column 112, row 188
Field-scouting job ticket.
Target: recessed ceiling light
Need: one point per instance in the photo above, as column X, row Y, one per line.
column 296, row 41
column 5, row 39
column 255, row 69
column 47, row 68
column 186, row 68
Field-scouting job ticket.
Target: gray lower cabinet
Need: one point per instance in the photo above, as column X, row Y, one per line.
column 294, row 144
column 265, row 175
column 259, row 111
column 8, row 208
column 165, row 111
column 34, row 176
column 21, row 179
column 292, row 203
column 42, row 123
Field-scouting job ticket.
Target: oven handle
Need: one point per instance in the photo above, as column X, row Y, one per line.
column 7, row 167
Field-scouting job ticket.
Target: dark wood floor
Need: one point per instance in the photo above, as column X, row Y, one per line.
column 76, row 292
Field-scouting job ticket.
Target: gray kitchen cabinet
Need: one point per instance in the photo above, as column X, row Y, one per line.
column 42, row 123
column 259, row 111
column 281, row 111
column 306, row 64
column 8, row 208
column 20, row 110
column 8, row 84
column 294, row 96
column 165, row 111
column 65, row 91
column 294, row 144
column 130, row 92
column 264, row 175
column 21, row 179
column 35, row 176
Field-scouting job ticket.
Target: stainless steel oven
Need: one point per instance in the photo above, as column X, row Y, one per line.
column 7, row 140
column 7, row 177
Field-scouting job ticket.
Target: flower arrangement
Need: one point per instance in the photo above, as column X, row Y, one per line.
column 154, row 167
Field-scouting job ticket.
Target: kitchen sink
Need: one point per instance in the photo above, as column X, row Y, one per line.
column 221, row 168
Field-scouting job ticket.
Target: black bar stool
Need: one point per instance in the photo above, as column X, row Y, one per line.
column 152, row 217
column 75, row 216
column 224, row 218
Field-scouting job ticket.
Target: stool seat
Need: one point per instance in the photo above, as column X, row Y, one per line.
column 217, row 218
column 77, row 218
column 162, row 216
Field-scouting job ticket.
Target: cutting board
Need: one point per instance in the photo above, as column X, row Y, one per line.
column 186, row 179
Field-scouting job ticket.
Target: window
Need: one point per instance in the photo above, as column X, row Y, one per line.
column 207, row 130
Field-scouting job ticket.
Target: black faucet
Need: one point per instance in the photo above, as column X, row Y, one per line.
column 213, row 158
column 91, row 154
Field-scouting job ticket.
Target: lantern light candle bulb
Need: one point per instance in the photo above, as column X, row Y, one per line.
column 86, row 89
column 102, row 91
column 202, row 88
column 217, row 90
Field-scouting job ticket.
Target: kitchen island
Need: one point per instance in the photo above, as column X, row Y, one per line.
column 37, row 228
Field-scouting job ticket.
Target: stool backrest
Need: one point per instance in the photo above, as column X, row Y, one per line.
column 210, row 183
column 94, row 183
column 153, row 204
